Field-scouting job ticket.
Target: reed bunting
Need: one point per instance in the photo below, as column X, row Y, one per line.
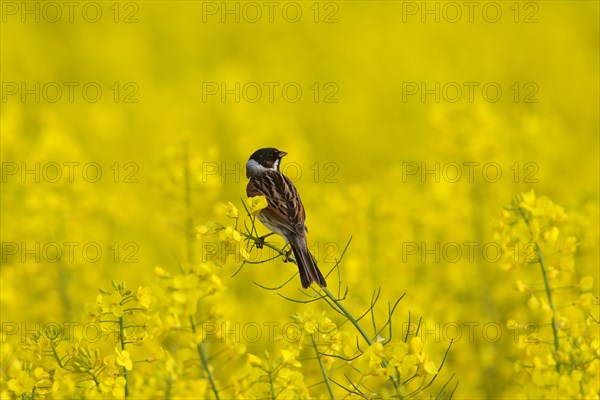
column 284, row 214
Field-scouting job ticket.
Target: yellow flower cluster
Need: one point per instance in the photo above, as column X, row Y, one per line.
column 411, row 160
column 58, row 362
column 269, row 375
column 170, row 339
column 562, row 357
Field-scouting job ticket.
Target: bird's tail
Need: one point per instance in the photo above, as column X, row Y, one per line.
column 307, row 266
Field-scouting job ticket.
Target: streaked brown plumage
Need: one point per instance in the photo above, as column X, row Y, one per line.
column 284, row 214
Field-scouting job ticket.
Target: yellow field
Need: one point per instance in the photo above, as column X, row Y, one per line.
column 453, row 145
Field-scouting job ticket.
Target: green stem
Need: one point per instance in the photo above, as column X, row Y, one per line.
column 63, row 277
column 97, row 383
column 345, row 311
column 204, row 361
column 257, row 239
column 550, row 303
column 360, row 329
column 189, row 229
column 56, row 356
column 169, row 388
column 542, row 263
column 271, row 383
column 211, row 378
column 340, row 307
column 189, row 222
column 122, row 337
column 63, row 285
column 323, row 370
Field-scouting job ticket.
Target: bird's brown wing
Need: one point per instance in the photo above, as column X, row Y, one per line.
column 285, row 208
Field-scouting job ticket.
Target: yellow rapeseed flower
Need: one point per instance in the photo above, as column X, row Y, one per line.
column 256, row 203
column 143, row 296
column 161, row 273
column 253, row 360
column 23, row 383
column 231, row 211
column 202, row 230
column 123, row 359
column 586, row 283
column 289, row 357
column 430, row 368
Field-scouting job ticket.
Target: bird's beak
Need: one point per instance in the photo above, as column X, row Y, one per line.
column 282, row 154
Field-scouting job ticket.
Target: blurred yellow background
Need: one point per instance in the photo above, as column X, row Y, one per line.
column 365, row 97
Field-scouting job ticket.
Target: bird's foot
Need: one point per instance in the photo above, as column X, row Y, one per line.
column 287, row 258
column 260, row 242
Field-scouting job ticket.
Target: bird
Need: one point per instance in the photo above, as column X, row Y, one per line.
column 284, row 214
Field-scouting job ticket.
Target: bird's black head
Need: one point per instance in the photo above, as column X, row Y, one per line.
column 264, row 159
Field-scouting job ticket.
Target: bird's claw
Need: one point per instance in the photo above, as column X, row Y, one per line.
column 287, row 258
column 260, row 241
